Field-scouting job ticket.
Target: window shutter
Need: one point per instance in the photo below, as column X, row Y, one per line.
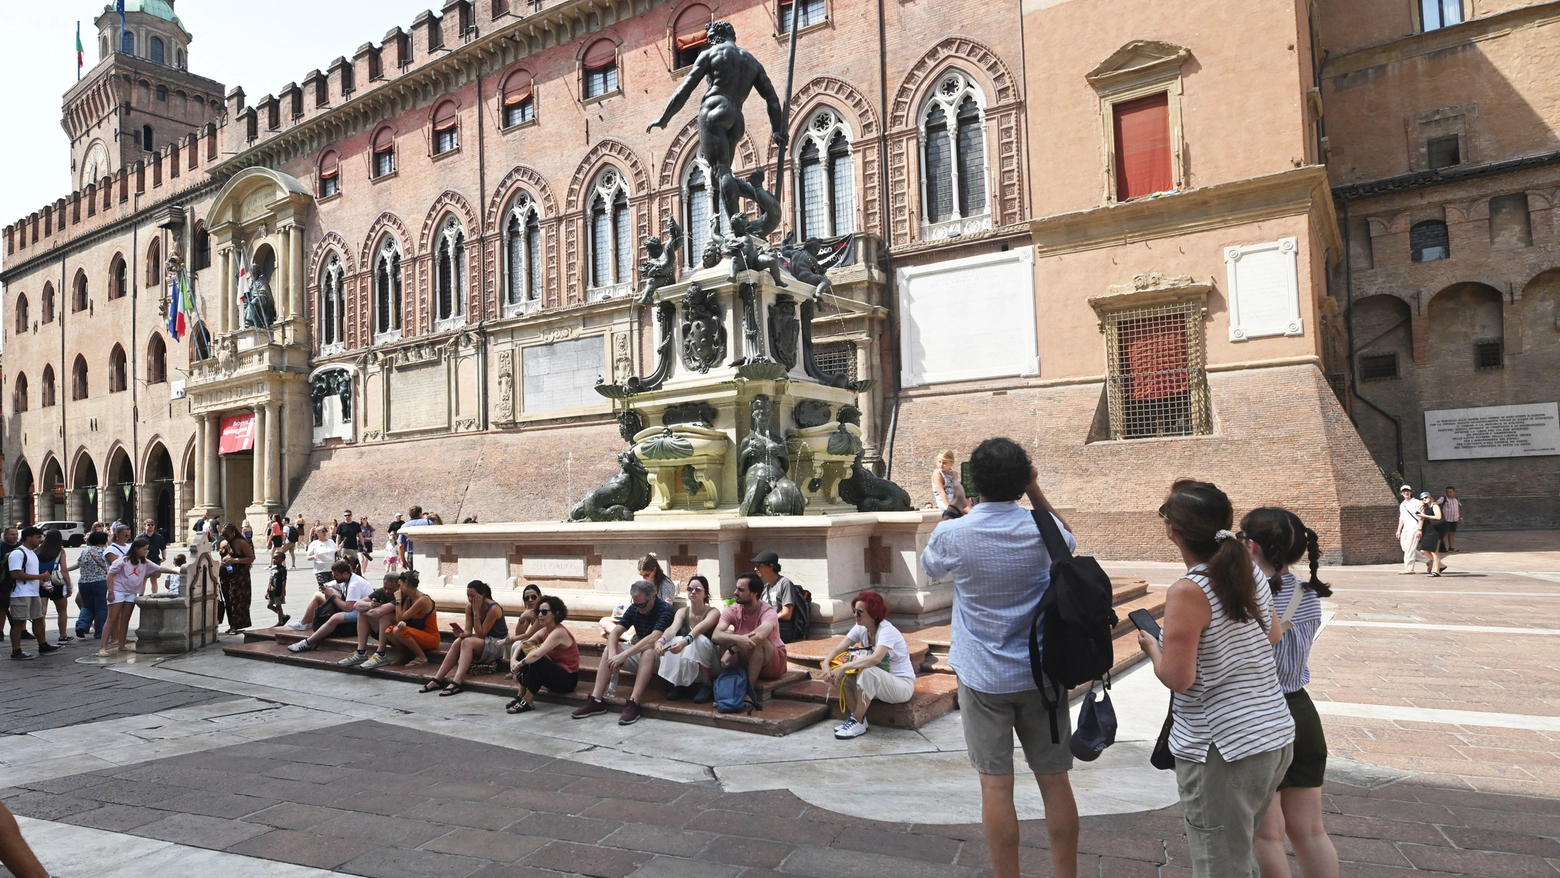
column 689, row 29
column 384, row 141
column 329, row 165
column 602, row 53
column 444, row 116
column 517, row 88
column 1143, row 147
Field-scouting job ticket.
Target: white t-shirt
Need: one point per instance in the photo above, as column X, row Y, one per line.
column 889, row 636
column 1408, row 514
column 324, row 552
column 357, row 589
column 114, row 551
column 130, row 578
column 24, row 560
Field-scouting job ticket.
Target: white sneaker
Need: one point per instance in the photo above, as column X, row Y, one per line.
column 296, row 626
column 301, row 646
column 353, row 659
column 849, row 721
column 375, row 661
column 852, row 729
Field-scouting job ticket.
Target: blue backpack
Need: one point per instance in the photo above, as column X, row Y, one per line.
column 733, row 692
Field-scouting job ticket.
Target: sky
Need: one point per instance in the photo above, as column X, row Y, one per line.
column 258, row 46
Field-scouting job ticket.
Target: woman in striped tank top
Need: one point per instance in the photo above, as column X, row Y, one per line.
column 1277, row 539
column 1232, row 735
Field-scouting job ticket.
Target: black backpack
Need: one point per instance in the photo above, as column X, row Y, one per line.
column 1074, row 620
column 7, row 584
column 801, row 615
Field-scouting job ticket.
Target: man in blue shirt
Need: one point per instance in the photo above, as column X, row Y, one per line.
column 1001, row 569
column 649, row 617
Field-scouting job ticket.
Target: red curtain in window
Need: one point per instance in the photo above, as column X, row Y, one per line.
column 444, row 116
column 517, row 88
column 602, row 53
column 1143, row 147
column 329, row 165
column 384, row 141
column 689, row 29
column 1155, row 352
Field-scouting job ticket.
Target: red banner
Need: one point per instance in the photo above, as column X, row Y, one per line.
column 238, row 433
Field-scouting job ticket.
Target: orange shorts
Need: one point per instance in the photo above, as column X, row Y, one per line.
column 776, row 667
column 424, row 638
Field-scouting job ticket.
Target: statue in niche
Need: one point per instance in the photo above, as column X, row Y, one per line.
column 868, row 493
column 732, row 73
column 630, row 423
column 343, row 389
column 622, row 495
column 661, row 268
column 259, row 307
column 783, row 330
column 703, row 330
column 319, row 388
column 803, row 264
column 762, row 462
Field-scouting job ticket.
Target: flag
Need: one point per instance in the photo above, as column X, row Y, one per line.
column 243, row 276
column 178, row 314
column 80, row 53
column 119, row 6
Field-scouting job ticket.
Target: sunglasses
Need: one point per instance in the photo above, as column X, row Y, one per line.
column 532, row 598
column 858, row 613
column 544, row 611
column 1164, row 511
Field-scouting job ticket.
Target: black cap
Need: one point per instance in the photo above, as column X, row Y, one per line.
column 31, row 531
column 770, row 558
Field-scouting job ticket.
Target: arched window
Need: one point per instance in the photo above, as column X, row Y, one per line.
column 154, row 266
column 610, row 252
column 19, row 394
column 384, row 152
column 522, row 253
column 127, row 43
column 449, row 273
column 953, row 152
column 156, row 360
column 825, row 178
column 387, row 288
column 78, row 378
column 202, row 247
column 78, row 298
column 49, row 392
column 156, row 51
column 180, row 53
column 1428, row 241
column 22, row 320
column 688, row 35
column 332, row 303
column 330, row 174
column 446, row 128
column 48, row 303
column 601, row 68
column 103, row 47
column 118, row 373
column 118, row 281
column 696, row 211
column 519, row 102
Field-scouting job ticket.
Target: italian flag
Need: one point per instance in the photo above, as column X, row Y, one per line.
column 80, row 53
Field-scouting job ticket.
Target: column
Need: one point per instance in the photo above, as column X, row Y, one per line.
column 273, row 455
column 213, row 439
column 281, row 279
column 225, row 292
column 868, row 400
column 258, row 477
column 43, row 507
column 295, row 259
column 198, row 487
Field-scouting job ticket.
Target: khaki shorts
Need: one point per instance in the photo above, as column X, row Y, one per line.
column 991, row 720
column 26, row 609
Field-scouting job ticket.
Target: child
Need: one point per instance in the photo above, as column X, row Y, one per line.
column 172, row 579
column 392, row 558
column 276, row 591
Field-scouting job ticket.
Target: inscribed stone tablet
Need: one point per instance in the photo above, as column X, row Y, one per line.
column 1493, row 431
column 418, row 397
column 1264, row 290
column 553, row 567
column 562, row 375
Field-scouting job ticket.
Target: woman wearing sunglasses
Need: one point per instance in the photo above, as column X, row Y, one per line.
column 687, row 654
column 864, row 650
column 526, row 625
column 552, row 658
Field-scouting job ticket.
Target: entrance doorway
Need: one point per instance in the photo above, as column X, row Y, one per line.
column 238, row 485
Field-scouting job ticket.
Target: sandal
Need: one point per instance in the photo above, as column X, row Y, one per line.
column 452, row 689
column 518, row 706
column 432, row 685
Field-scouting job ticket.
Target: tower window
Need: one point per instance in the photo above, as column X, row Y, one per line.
column 156, row 51
column 146, row 138
column 162, row 93
column 601, row 69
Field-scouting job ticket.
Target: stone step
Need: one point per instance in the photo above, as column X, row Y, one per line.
column 810, row 654
column 935, row 695
column 1153, row 602
column 777, row 716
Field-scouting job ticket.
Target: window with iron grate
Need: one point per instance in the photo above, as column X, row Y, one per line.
column 836, row 358
column 1156, row 383
column 1489, row 354
column 1378, row 367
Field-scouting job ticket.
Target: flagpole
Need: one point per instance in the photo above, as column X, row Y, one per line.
column 785, row 108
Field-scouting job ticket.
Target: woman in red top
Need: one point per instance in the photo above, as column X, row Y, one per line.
column 552, row 658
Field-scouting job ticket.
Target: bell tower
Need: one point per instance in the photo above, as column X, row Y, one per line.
column 139, row 96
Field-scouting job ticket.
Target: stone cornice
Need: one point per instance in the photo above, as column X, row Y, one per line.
column 1286, row 193
column 1416, row 45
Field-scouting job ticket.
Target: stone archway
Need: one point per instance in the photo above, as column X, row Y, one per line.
column 21, row 497
column 116, row 498
column 156, row 492
column 84, row 489
column 51, row 497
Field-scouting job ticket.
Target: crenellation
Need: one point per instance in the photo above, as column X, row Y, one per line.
column 426, row 33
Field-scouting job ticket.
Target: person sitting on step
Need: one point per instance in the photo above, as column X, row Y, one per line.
column 338, row 612
column 375, row 613
column 649, row 618
column 550, row 658
column 874, row 664
column 749, row 633
column 527, row 624
column 416, row 628
column 480, row 641
column 688, row 656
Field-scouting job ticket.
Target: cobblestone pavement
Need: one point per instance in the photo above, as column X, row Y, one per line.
column 1440, row 698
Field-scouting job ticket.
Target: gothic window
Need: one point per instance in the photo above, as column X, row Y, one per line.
column 202, row 247
column 118, row 282
column 49, row 393
column 953, row 152
column 332, row 308
column 812, row 12
column 330, row 174
column 118, row 373
column 446, row 130
column 522, row 252
column 154, row 264
column 449, row 282
column 78, row 378
column 387, row 288
column 825, row 179
column 156, row 360
column 611, row 254
column 384, row 153
column 78, row 299
column 19, row 397
column 47, row 306
column 22, row 320
column 601, row 69
column 519, row 103
column 696, row 212
column 156, row 51
column 688, row 34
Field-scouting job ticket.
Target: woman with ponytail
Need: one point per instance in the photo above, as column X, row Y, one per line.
column 1278, row 539
column 1231, row 732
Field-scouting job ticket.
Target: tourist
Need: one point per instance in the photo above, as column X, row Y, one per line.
column 404, row 545
column 348, row 533
column 235, row 578
column 155, row 545
column 92, row 591
column 375, row 612
column 748, row 633
column 1430, row 522
column 649, row 618
column 276, row 534
column 1277, row 538
column 248, row 532
column 126, row 582
column 291, row 546
column 416, row 628
column 650, row 571
column 480, row 641
column 861, row 674
column 322, row 550
column 552, row 657
column 782, row 594
column 337, row 614
column 366, row 539
column 118, row 544
column 392, row 559
column 172, row 581
column 8, row 543
column 1001, row 569
column 687, row 653
column 1451, row 516
column 1408, row 531
column 26, row 604
column 276, row 589
column 525, row 625
column 1231, row 732
column 51, row 558
column 947, row 488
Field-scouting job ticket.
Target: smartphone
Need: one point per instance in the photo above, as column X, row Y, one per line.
column 1144, row 620
column 456, row 627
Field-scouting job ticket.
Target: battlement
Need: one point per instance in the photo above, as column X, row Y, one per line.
column 177, row 167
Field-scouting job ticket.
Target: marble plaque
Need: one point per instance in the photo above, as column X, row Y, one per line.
column 969, row 318
column 562, row 375
column 1493, row 431
column 1264, row 290
column 418, row 397
column 553, row 567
